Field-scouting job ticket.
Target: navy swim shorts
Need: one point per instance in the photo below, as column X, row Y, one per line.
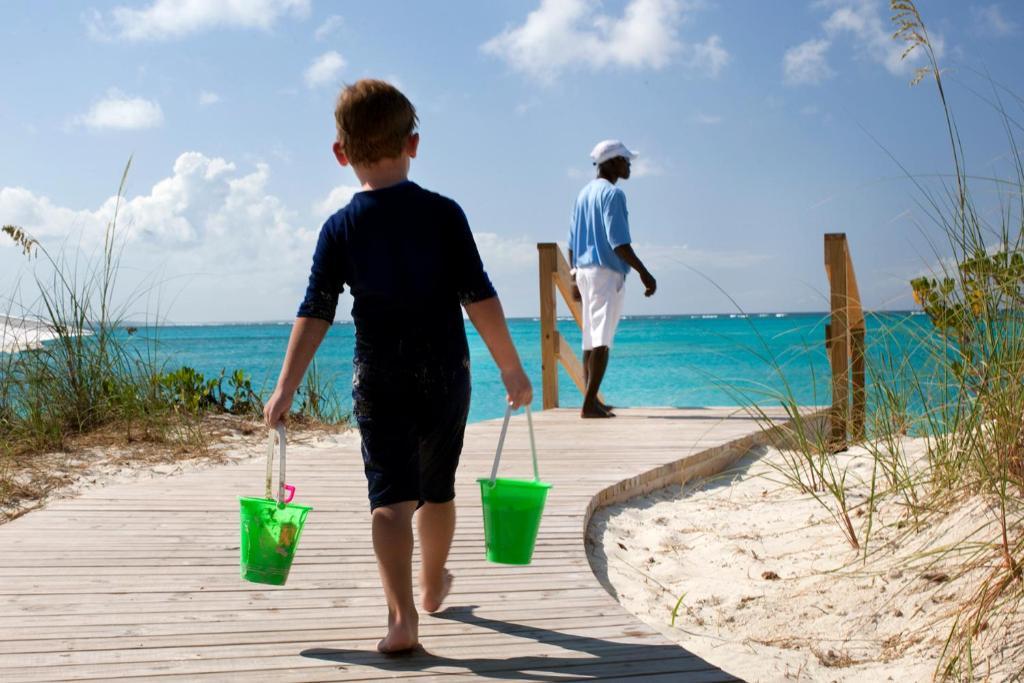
column 412, row 419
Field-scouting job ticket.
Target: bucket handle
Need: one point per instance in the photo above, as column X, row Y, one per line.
column 501, row 443
column 279, row 433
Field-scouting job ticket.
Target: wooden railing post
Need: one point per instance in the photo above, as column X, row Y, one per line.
column 839, row 339
column 845, row 341
column 554, row 276
column 548, row 258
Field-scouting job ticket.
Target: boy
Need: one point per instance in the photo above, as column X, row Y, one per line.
column 409, row 259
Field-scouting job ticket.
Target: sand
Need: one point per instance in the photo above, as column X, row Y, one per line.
column 17, row 334
column 231, row 440
column 772, row 591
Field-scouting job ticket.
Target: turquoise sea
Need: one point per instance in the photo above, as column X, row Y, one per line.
column 684, row 360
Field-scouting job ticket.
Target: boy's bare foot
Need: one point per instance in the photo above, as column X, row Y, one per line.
column 403, row 635
column 605, row 406
column 433, row 597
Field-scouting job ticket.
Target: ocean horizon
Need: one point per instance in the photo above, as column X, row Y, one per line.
column 731, row 314
column 682, row 360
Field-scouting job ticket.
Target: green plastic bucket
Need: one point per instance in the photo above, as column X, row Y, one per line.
column 270, row 534
column 512, row 507
column 512, row 512
column 271, row 528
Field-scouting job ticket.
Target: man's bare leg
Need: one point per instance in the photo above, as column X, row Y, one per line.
column 435, row 523
column 586, row 375
column 598, row 363
column 392, row 543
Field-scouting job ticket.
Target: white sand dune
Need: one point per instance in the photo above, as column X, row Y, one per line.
column 772, row 591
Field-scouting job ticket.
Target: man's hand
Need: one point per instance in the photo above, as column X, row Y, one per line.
column 650, row 284
column 517, row 384
column 626, row 253
column 276, row 409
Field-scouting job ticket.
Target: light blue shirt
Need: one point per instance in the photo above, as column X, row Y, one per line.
column 600, row 223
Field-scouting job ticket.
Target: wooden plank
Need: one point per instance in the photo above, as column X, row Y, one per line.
column 140, row 579
column 550, row 661
column 572, row 365
column 668, row 670
column 859, row 413
column 856, row 312
column 548, row 325
column 565, row 284
column 570, row 362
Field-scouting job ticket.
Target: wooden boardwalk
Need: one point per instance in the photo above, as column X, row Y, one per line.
column 140, row 581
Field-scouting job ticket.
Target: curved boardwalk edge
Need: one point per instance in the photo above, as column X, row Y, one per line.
column 706, row 463
column 140, row 581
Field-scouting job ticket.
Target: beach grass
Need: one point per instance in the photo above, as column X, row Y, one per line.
column 959, row 385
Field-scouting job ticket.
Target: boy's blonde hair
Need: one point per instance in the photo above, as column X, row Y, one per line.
column 374, row 121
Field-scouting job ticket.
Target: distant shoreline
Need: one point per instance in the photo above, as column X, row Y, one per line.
column 20, row 334
column 647, row 316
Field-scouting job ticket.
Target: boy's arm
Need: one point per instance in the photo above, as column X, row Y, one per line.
column 488, row 318
column 626, row 253
column 307, row 333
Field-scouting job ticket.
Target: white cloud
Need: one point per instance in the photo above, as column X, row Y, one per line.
column 324, row 70
column 207, row 98
column 643, row 167
column 862, row 21
column 506, row 255
column 872, row 34
column 169, row 19
column 329, row 26
column 237, row 248
column 989, row 21
column 806, row 64
column 707, row 119
column 335, row 199
column 709, row 57
column 204, row 199
column 561, row 35
column 120, row 111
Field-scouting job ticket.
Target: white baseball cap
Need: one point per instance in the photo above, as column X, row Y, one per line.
column 609, row 149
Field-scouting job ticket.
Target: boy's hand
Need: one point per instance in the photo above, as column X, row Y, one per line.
column 276, row 409
column 576, row 292
column 517, row 384
column 650, row 284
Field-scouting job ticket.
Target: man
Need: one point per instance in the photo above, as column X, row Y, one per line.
column 600, row 256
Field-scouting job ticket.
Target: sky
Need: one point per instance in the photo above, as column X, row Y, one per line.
column 760, row 127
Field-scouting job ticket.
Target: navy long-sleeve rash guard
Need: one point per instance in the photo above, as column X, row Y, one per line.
column 410, row 262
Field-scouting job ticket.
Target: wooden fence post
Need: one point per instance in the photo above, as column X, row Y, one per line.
column 839, row 337
column 548, row 255
column 844, row 337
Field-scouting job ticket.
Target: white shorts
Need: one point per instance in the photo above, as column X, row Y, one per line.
column 603, row 291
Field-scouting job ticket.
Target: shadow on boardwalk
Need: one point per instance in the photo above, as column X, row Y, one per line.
column 608, row 658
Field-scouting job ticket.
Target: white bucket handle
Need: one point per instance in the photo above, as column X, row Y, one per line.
column 501, row 443
column 278, row 432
